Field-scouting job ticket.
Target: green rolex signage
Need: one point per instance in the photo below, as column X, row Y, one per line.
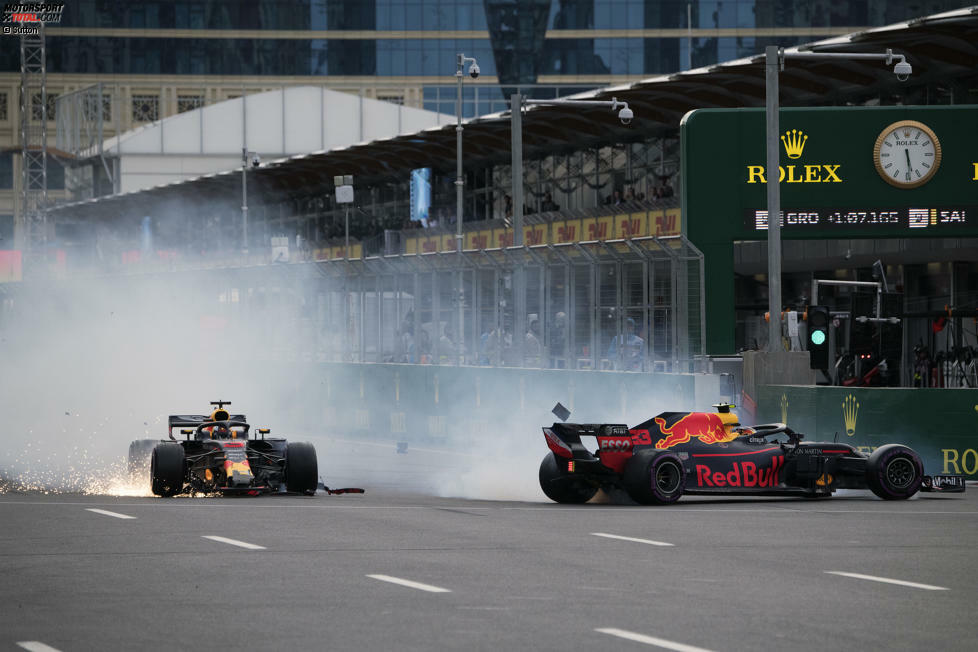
column 845, row 172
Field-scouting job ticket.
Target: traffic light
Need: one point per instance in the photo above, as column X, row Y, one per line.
column 818, row 337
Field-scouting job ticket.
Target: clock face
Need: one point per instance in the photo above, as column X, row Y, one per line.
column 907, row 154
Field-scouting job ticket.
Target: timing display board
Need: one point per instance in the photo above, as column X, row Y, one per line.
column 933, row 221
column 844, row 172
column 855, row 171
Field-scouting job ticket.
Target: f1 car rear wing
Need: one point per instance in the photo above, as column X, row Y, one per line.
column 194, row 420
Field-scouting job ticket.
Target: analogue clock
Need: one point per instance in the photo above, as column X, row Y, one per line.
column 907, row 154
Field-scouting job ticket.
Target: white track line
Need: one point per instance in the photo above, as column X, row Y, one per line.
column 646, row 541
column 411, row 585
column 233, row 542
column 108, row 513
column 873, row 578
column 36, row 646
column 650, row 640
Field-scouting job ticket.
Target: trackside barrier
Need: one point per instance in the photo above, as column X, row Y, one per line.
column 451, row 405
column 940, row 424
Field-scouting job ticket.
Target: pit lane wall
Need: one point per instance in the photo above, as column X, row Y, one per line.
column 448, row 406
column 940, row 424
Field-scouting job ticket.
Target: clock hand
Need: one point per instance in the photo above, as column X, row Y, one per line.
column 907, row 152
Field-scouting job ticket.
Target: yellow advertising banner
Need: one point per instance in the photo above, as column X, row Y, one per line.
column 338, row 253
column 665, row 222
column 597, row 228
column 610, row 227
column 566, row 231
column 535, row 234
column 631, row 226
column 478, row 239
column 502, row 238
column 428, row 244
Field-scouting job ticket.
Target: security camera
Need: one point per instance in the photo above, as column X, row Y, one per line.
column 626, row 115
column 902, row 71
column 474, row 70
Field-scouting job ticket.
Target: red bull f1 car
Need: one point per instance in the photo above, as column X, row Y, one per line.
column 221, row 454
column 710, row 453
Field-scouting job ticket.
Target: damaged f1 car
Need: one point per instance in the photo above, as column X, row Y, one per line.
column 710, row 453
column 220, row 454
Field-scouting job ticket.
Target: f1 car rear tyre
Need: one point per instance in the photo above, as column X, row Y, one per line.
column 301, row 468
column 167, row 469
column 894, row 472
column 563, row 487
column 654, row 477
column 140, row 452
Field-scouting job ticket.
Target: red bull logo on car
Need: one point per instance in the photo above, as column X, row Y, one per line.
column 708, row 427
column 743, row 474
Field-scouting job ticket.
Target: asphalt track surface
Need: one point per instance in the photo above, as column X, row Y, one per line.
column 396, row 571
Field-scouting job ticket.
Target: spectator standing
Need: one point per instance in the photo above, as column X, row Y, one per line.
column 558, row 341
column 627, row 350
column 548, row 203
column 424, row 347
column 446, row 345
column 532, row 347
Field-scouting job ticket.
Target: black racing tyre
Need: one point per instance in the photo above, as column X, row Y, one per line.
column 167, row 469
column 894, row 472
column 563, row 487
column 654, row 477
column 140, row 452
column 301, row 468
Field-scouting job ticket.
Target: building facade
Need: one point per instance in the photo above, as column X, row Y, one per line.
column 159, row 58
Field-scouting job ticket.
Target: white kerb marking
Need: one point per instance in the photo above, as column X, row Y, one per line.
column 108, row 513
column 887, row 580
column 411, row 585
column 645, row 541
column 36, row 646
column 233, row 542
column 650, row 640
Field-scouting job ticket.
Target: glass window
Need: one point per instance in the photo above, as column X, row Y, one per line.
column 602, row 14
column 56, row 175
column 6, row 231
column 412, row 55
column 6, row 171
column 412, row 16
column 619, row 15
column 745, row 15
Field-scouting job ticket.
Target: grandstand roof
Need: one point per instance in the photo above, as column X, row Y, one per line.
column 939, row 47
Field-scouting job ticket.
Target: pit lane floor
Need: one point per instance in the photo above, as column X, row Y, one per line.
column 396, row 571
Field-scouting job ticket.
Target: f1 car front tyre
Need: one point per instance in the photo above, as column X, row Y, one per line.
column 563, row 487
column 894, row 472
column 167, row 469
column 654, row 477
column 301, row 468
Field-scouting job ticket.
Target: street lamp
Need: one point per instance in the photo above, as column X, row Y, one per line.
column 774, row 58
column 344, row 195
column 255, row 162
column 460, row 61
column 517, row 101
